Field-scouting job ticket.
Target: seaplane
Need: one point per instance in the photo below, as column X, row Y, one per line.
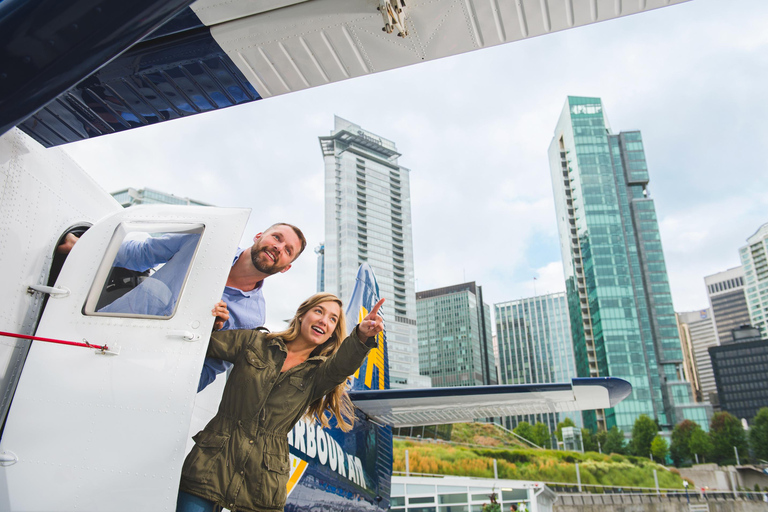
column 96, row 408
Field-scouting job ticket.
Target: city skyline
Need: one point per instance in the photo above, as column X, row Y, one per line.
column 478, row 149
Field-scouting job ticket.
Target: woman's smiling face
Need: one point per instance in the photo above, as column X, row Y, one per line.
column 318, row 324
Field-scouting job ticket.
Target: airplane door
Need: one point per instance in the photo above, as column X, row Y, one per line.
column 106, row 431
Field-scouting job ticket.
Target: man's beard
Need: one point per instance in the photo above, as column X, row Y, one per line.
column 269, row 267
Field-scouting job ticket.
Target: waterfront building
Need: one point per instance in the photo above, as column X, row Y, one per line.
column 622, row 320
column 465, row 494
column 455, row 344
column 741, row 372
column 535, row 347
column 727, row 302
column 755, row 264
column 133, row 196
column 368, row 219
column 697, row 334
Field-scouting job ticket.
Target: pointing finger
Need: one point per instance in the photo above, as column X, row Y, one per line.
column 376, row 308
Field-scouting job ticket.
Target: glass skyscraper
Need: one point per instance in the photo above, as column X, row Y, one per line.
column 620, row 306
column 455, row 344
column 368, row 219
column 754, row 260
column 534, row 344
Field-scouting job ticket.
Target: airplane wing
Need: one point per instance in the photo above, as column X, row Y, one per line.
column 73, row 70
column 435, row 406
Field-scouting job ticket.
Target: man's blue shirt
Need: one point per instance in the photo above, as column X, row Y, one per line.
column 247, row 310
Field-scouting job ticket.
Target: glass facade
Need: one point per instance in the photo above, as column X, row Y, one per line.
column 622, row 319
column 320, row 251
column 534, row 343
column 368, row 219
column 455, row 344
column 741, row 373
column 755, row 264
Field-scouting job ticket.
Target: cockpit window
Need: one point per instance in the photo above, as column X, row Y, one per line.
column 144, row 270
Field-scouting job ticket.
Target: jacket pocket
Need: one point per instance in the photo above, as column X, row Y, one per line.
column 276, row 478
column 254, row 359
column 205, row 455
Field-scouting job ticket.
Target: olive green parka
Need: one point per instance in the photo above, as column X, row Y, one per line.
column 240, row 459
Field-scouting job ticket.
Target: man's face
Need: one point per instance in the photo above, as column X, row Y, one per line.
column 274, row 250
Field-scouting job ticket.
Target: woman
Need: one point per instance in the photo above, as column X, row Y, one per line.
column 240, row 460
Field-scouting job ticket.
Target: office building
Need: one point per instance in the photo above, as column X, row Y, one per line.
column 622, row 320
column 727, row 301
column 697, row 334
column 368, row 219
column 320, row 251
column 741, row 372
column 535, row 347
column 755, row 264
column 132, row 196
column 455, row 344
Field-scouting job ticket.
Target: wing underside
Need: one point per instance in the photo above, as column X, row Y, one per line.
column 222, row 53
column 434, row 406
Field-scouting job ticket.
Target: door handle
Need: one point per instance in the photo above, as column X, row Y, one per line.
column 8, row 459
column 185, row 335
column 58, row 293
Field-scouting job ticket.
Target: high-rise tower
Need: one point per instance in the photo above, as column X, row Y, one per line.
column 622, row 318
column 534, row 343
column 754, row 260
column 455, row 344
column 368, row 219
column 728, row 304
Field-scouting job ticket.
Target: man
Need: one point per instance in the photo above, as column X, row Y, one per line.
column 242, row 305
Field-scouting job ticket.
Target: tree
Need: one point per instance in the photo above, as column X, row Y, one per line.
column 614, row 441
column 659, row 449
column 588, row 440
column 600, row 438
column 567, row 422
column 524, row 430
column 758, row 435
column 541, row 436
column 726, row 433
column 643, row 432
column 681, row 436
column 699, row 444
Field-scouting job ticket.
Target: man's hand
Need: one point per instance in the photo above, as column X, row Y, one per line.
column 221, row 313
column 372, row 324
column 66, row 246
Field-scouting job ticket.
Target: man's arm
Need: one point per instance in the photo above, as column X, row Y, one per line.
column 146, row 254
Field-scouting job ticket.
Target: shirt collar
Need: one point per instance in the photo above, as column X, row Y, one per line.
column 249, row 292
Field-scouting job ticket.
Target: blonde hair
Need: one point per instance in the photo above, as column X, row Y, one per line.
column 336, row 401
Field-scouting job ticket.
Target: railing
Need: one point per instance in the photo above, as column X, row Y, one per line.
column 597, row 494
column 678, row 497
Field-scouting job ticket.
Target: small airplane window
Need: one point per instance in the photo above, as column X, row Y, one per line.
column 144, row 271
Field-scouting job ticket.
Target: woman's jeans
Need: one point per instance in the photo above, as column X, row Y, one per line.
column 191, row 503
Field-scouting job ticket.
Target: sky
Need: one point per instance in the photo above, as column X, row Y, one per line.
column 474, row 131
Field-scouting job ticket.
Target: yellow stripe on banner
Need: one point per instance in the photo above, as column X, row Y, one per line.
column 298, row 466
column 375, row 357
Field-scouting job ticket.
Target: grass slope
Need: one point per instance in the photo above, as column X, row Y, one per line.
column 516, row 462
